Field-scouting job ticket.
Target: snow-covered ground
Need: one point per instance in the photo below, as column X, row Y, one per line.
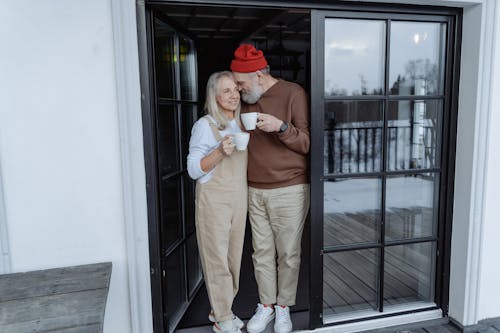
column 356, row 195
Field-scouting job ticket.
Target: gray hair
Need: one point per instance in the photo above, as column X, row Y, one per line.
column 266, row 70
column 211, row 105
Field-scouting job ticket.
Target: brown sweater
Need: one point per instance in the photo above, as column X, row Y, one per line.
column 280, row 159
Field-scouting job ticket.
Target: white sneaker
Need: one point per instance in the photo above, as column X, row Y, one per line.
column 263, row 315
column 282, row 323
column 237, row 321
column 226, row 326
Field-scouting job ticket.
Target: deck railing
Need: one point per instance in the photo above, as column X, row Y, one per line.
column 359, row 149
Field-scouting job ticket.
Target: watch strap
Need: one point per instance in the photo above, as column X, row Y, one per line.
column 283, row 127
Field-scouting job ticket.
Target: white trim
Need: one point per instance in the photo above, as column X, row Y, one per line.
column 479, row 166
column 5, row 264
column 369, row 313
column 128, row 97
column 382, row 322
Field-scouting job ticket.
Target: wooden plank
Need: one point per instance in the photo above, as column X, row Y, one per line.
column 46, row 313
column 361, row 283
column 347, row 296
column 80, row 329
column 70, row 300
column 441, row 329
column 358, row 264
column 54, row 281
column 93, row 328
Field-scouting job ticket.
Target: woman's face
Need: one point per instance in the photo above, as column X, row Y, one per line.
column 228, row 96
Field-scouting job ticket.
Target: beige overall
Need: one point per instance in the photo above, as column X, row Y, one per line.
column 221, row 210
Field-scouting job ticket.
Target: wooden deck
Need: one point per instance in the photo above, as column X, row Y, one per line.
column 69, row 300
column 351, row 277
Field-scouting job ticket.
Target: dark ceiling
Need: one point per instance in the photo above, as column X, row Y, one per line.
column 238, row 24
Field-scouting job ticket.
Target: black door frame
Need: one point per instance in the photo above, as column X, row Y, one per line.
column 316, row 269
column 453, row 19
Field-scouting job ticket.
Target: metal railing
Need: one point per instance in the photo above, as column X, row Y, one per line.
column 359, row 149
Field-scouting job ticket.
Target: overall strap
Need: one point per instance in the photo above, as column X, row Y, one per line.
column 214, row 128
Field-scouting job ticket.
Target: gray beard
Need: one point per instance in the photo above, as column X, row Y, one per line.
column 251, row 97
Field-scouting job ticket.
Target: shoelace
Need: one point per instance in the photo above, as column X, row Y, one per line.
column 260, row 311
column 281, row 315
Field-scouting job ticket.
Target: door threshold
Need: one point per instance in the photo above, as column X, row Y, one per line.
column 390, row 310
column 386, row 322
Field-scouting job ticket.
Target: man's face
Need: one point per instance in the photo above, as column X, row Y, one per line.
column 249, row 86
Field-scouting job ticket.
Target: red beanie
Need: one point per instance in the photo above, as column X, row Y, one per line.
column 247, row 59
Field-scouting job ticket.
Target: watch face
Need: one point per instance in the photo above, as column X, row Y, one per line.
column 283, row 127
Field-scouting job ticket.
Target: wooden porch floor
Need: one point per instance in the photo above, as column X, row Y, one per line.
column 351, row 277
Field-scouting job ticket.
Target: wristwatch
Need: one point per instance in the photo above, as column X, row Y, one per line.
column 283, row 127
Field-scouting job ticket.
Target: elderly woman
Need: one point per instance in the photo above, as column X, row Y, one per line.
column 221, row 197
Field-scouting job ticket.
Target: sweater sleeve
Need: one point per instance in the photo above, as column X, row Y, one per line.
column 296, row 137
column 199, row 147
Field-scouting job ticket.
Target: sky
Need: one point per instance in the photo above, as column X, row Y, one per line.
column 355, row 50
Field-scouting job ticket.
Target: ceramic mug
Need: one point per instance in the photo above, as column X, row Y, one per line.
column 249, row 120
column 241, row 140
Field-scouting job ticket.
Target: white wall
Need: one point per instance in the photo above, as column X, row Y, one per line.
column 59, row 142
column 489, row 290
column 5, row 266
column 473, row 291
column 466, row 133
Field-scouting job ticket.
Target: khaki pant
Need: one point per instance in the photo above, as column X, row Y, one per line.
column 221, row 211
column 277, row 218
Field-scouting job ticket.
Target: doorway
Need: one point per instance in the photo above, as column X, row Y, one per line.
column 381, row 82
column 189, row 43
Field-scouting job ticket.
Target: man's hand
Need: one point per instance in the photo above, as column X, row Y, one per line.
column 268, row 123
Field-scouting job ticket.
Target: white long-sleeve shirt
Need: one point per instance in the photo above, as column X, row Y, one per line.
column 202, row 143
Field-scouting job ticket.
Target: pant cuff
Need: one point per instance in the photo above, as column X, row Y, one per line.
column 286, row 302
column 267, row 301
column 224, row 317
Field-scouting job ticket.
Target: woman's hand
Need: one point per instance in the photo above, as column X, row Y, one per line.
column 226, row 147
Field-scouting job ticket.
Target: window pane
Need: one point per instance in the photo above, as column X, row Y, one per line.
column 350, row 281
column 414, row 134
column 168, row 140
column 165, row 59
column 171, row 205
column 411, row 206
column 352, row 211
column 193, row 264
column 353, row 137
column 174, row 283
column 354, row 57
column 409, row 273
column 187, row 63
column 417, row 58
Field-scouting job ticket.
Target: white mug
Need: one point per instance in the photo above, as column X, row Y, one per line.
column 240, row 140
column 249, row 120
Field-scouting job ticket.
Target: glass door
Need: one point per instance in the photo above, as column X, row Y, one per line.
column 175, row 110
column 378, row 185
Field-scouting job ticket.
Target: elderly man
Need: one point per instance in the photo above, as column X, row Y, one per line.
column 278, row 193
